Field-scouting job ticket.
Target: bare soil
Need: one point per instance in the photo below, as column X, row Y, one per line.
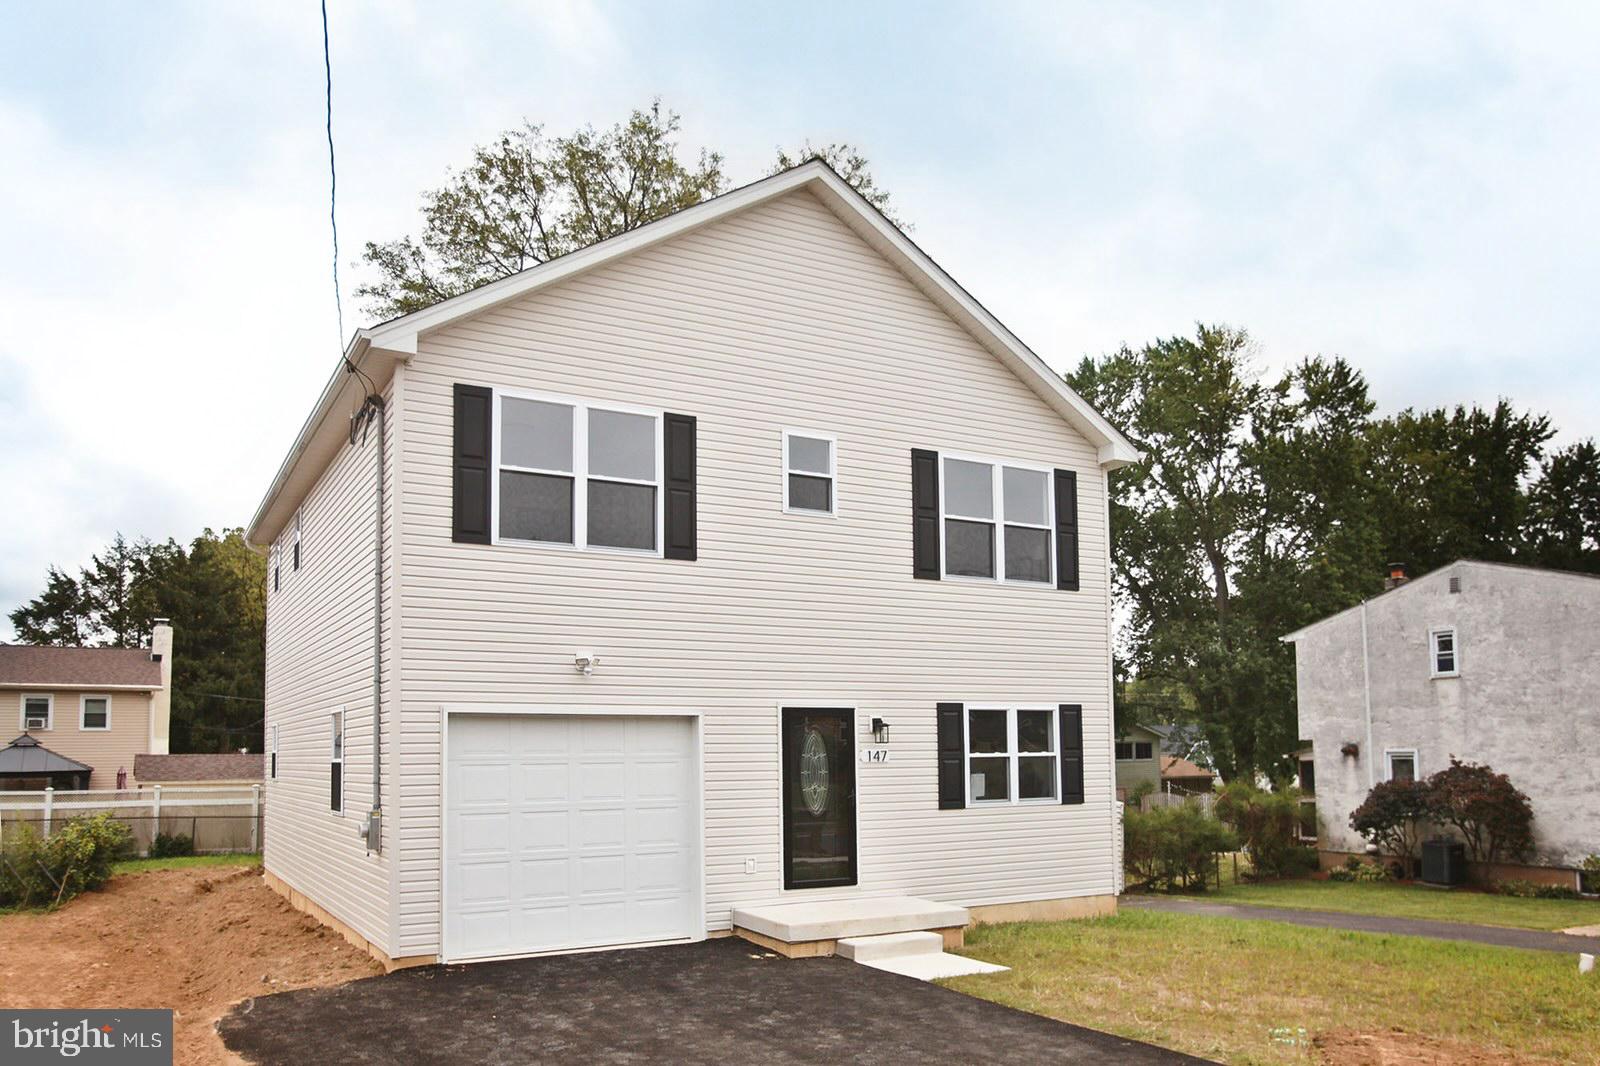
column 195, row 940
column 1346, row 1047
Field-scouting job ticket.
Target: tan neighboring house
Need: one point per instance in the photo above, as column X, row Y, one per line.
column 83, row 715
column 1138, row 755
column 737, row 562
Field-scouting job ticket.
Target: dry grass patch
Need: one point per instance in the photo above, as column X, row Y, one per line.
column 1259, row 992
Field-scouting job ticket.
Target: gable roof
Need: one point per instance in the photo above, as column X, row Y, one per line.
column 379, row 349
column 26, row 757
column 224, row 766
column 42, row 666
column 1435, row 575
column 1176, row 768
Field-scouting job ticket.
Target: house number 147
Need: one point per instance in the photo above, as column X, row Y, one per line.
column 874, row 754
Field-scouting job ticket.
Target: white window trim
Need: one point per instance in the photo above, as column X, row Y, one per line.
column 1388, row 762
column 49, row 713
column 997, row 491
column 336, row 755
column 1433, row 651
column 83, row 711
column 1011, row 754
column 832, row 474
column 579, row 472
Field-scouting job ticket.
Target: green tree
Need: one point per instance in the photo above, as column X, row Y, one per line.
column 1249, row 516
column 526, row 199
column 55, row 616
column 1564, row 510
column 108, row 590
column 850, row 164
column 1452, row 484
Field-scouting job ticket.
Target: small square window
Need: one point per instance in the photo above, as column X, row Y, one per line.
column 1142, row 750
column 1402, row 765
column 808, row 472
column 95, row 713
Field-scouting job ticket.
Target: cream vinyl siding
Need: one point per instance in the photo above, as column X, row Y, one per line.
column 106, row 750
column 776, row 317
column 319, row 658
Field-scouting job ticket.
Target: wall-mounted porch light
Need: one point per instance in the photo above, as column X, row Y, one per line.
column 880, row 731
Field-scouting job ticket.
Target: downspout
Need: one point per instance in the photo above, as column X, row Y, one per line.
column 374, row 827
column 1366, row 696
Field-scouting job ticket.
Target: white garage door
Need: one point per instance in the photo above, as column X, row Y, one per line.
column 568, row 832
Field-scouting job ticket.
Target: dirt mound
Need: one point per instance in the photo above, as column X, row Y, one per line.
column 195, row 940
column 1347, row 1047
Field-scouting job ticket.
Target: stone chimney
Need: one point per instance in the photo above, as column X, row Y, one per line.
column 1397, row 576
column 161, row 700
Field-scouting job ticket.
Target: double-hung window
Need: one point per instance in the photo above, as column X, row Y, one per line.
column 1013, row 754
column 1402, row 764
column 336, row 764
column 573, row 474
column 94, row 713
column 296, row 550
column 998, row 521
column 1444, row 652
column 272, row 756
column 808, row 472
column 37, row 712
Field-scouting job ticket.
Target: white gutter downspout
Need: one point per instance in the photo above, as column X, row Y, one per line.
column 1366, row 697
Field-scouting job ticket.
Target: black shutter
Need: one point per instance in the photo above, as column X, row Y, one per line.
column 1071, row 753
column 474, row 422
column 1067, row 530
column 925, row 515
column 952, row 771
column 682, row 536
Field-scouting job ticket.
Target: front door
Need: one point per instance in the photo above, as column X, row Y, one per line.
column 819, row 798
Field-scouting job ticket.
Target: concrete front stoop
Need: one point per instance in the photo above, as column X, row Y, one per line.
column 920, row 955
column 901, row 934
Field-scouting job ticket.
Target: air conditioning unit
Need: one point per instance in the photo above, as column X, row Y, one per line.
column 36, row 721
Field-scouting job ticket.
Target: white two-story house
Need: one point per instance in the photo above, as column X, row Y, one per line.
column 743, row 558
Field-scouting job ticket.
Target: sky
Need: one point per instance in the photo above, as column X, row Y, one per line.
column 1412, row 187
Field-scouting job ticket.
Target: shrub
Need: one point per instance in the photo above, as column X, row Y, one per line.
column 168, row 845
column 1172, row 847
column 76, row 857
column 1589, row 874
column 1356, row 870
column 1266, row 822
column 1492, row 816
column 1392, row 817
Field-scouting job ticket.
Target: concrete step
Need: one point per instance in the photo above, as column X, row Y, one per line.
column 837, row 919
column 933, row 967
column 889, row 946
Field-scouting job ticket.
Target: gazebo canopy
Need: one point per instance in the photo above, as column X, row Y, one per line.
column 26, row 757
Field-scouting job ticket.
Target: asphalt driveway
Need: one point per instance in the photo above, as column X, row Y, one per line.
column 722, row 1001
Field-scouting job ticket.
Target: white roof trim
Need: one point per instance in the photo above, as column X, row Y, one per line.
column 398, row 337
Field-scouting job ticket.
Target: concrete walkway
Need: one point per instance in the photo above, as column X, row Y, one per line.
column 1498, row 936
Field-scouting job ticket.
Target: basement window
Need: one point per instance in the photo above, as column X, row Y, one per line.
column 808, row 472
column 1445, row 652
column 1013, row 755
column 1401, row 763
column 336, row 764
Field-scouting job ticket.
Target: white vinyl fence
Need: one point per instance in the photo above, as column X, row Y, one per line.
column 218, row 818
column 1122, row 878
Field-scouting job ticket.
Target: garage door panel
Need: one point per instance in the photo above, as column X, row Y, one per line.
column 569, row 831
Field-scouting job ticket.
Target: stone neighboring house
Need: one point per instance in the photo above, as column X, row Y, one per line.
column 84, row 714
column 1485, row 662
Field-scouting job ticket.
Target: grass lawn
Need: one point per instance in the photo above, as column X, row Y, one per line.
column 139, row 866
column 1410, row 901
column 1260, row 992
